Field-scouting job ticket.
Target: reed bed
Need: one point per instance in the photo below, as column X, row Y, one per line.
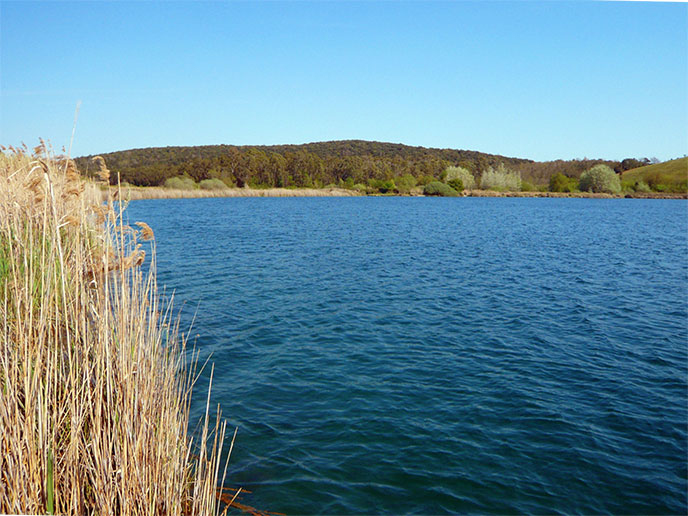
column 96, row 385
column 152, row 192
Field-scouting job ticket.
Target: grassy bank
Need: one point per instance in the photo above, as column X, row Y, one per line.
column 670, row 176
column 95, row 388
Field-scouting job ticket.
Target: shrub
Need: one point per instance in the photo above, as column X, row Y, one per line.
column 461, row 173
column 657, row 180
column 642, row 186
column 627, row 185
column 456, row 184
column 441, row 189
column 630, row 185
column 561, row 183
column 527, row 186
column 425, row 180
column 600, row 178
column 212, row 184
column 405, row 183
column 382, row 185
column 501, row 179
column 180, row 183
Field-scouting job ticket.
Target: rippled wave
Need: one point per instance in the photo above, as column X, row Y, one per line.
column 412, row 355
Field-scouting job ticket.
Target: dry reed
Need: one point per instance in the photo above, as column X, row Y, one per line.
column 95, row 381
column 152, row 192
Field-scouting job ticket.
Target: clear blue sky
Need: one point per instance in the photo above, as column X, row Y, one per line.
column 540, row 80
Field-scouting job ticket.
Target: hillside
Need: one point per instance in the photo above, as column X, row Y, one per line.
column 315, row 164
column 670, row 176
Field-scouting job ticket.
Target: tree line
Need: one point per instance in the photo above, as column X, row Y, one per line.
column 316, row 165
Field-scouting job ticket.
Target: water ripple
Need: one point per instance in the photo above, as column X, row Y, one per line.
column 402, row 355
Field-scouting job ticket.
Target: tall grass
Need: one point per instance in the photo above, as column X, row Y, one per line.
column 95, row 387
column 153, row 192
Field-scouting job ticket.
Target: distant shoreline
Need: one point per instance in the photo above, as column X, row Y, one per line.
column 153, row 192
column 141, row 193
column 579, row 195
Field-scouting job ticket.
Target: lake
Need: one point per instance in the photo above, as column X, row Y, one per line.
column 440, row 355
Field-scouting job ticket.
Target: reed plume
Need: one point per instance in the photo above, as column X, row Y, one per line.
column 95, row 385
column 102, row 171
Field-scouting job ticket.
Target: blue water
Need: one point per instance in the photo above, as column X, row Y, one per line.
column 429, row 355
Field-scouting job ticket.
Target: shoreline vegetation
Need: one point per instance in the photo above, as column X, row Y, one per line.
column 369, row 167
column 131, row 193
column 96, row 381
column 153, row 192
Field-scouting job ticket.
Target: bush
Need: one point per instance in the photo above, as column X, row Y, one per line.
column 461, row 173
column 441, row 189
column 501, row 179
column 405, row 183
column 382, row 185
column 425, row 180
column 528, row 187
column 642, row 186
column 212, row 184
column 600, row 178
column 180, row 183
column 561, row 183
column 456, row 184
column 657, row 180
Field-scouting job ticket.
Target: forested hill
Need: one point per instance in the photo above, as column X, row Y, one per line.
column 312, row 164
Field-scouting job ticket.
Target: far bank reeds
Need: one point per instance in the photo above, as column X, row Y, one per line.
column 154, row 192
column 95, row 390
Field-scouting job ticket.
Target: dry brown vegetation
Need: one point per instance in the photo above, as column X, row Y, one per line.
column 94, row 375
column 153, row 192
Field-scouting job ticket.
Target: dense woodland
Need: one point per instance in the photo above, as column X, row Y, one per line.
column 340, row 163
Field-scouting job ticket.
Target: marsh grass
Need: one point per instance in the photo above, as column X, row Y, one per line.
column 154, row 192
column 95, row 382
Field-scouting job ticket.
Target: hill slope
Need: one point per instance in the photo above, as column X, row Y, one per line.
column 670, row 176
column 314, row 164
column 306, row 165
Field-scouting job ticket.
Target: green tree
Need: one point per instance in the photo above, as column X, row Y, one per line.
column 424, row 180
column 440, row 189
column 600, row 178
column 462, row 174
column 180, row 183
column 500, row 179
column 629, row 164
column 405, row 183
column 382, row 185
column 560, row 183
column 456, row 184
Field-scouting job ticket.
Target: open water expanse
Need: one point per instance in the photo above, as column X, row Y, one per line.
column 439, row 355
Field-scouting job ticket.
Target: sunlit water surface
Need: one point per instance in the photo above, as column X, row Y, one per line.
column 427, row 355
